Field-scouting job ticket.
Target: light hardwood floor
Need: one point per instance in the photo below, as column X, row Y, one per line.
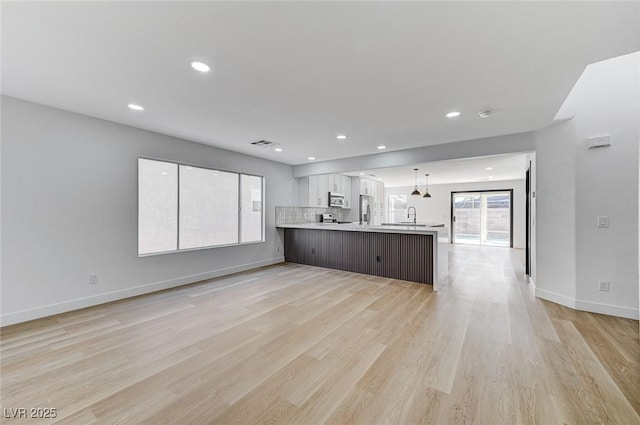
column 293, row 344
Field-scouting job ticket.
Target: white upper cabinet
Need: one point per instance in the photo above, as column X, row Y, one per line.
column 346, row 190
column 323, row 191
column 374, row 189
column 336, row 183
column 313, row 191
column 366, row 187
column 379, row 194
column 318, row 192
column 319, row 187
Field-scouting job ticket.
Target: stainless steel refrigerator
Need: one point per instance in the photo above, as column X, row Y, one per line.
column 366, row 209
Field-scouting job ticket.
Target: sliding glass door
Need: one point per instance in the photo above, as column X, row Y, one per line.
column 482, row 218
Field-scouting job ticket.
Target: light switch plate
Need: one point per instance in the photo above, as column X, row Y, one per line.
column 603, row 221
column 603, row 285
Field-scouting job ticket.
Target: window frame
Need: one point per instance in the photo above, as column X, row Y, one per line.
column 480, row 192
column 239, row 206
column 390, row 212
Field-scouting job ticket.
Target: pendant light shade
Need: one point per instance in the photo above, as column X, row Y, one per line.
column 416, row 192
column 426, row 190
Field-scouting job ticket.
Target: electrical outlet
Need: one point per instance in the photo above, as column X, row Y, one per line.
column 603, row 221
column 93, row 279
column 604, row 285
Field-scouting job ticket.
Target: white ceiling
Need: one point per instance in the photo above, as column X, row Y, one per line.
column 503, row 167
column 299, row 73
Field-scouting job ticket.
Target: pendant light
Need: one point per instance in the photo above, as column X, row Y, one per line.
column 426, row 190
column 416, row 192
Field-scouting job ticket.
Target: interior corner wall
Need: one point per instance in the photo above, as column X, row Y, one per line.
column 69, row 209
column 555, row 213
column 606, row 102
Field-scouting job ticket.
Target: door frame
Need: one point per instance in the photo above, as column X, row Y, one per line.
column 452, row 208
column 527, row 244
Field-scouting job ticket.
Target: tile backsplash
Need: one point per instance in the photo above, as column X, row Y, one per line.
column 297, row 215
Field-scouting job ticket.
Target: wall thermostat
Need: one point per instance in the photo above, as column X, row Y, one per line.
column 599, row 142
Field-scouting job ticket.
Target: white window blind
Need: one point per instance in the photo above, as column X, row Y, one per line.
column 183, row 207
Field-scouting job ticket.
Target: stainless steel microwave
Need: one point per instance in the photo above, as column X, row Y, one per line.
column 336, row 199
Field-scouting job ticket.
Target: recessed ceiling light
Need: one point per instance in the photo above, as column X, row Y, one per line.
column 362, row 174
column 278, row 149
column 135, row 107
column 381, row 147
column 490, row 177
column 312, row 158
column 164, row 173
column 454, row 114
column 341, row 136
column 200, row 66
column 485, row 114
column 489, row 168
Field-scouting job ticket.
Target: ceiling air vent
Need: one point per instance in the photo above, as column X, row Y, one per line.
column 263, row 143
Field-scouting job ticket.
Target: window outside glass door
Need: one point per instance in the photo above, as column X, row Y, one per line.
column 482, row 218
column 397, row 205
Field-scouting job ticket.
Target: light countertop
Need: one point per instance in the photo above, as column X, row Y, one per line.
column 355, row 227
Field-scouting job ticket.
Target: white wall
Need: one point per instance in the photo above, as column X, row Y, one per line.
column 575, row 185
column 555, row 276
column 510, row 143
column 437, row 209
column 69, row 208
column 606, row 101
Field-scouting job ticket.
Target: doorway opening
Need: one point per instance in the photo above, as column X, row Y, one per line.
column 482, row 217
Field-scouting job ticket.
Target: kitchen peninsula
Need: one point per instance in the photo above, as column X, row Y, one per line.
column 408, row 252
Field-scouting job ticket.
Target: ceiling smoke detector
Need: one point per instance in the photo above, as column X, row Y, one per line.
column 263, row 143
column 485, row 114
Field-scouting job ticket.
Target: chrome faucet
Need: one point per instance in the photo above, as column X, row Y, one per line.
column 414, row 213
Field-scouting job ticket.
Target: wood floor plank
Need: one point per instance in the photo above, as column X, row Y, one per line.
column 295, row 344
column 601, row 397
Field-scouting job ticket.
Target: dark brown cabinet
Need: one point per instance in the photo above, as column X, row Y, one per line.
column 394, row 255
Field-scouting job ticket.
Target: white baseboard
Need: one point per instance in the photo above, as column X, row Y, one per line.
column 532, row 285
column 608, row 309
column 590, row 306
column 556, row 298
column 78, row 303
